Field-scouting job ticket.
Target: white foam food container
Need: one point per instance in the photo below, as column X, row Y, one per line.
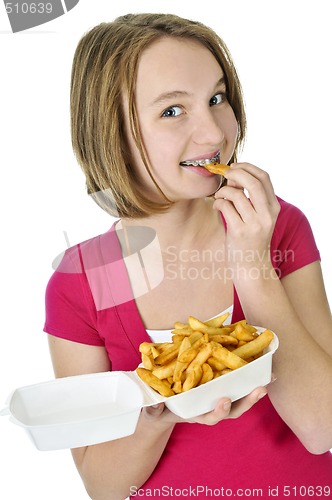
column 89, row 409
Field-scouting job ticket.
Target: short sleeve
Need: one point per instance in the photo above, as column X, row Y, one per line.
column 69, row 308
column 293, row 244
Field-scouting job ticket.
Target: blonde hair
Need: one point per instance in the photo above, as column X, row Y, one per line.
column 104, row 68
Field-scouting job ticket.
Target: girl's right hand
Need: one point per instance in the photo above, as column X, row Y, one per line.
column 223, row 410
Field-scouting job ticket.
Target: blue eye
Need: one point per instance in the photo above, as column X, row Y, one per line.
column 217, row 99
column 172, row 111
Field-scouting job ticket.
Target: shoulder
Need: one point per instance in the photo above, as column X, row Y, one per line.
column 71, row 300
column 293, row 244
column 287, row 210
column 71, row 268
column 87, row 254
column 291, row 219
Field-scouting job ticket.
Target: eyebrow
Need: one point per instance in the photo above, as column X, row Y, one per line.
column 169, row 96
column 174, row 94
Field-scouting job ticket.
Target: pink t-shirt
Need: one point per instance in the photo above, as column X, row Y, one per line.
column 89, row 300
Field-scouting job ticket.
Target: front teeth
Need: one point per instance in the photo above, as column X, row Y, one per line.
column 201, row 163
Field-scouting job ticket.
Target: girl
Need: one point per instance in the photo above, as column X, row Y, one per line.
column 154, row 97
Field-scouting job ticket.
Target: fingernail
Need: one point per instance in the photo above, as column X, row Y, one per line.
column 227, row 405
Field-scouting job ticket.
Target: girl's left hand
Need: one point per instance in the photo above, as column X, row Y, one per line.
column 250, row 220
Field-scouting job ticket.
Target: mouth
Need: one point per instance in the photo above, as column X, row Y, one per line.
column 202, row 162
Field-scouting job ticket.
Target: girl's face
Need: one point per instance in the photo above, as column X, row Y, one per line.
column 184, row 115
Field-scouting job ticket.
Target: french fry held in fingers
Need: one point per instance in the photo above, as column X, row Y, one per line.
column 217, row 168
column 200, row 351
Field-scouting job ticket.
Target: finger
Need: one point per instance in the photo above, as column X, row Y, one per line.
column 234, row 205
column 154, row 411
column 220, row 412
column 256, row 181
column 255, row 188
column 244, row 404
column 231, row 184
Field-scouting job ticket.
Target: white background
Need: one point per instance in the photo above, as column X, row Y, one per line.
column 282, row 52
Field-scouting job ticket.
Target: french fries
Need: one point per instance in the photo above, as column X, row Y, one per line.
column 154, row 382
column 199, row 352
column 216, row 168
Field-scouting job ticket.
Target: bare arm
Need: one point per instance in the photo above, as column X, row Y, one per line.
column 302, row 393
column 295, row 307
column 108, row 470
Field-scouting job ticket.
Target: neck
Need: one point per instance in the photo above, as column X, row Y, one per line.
column 187, row 224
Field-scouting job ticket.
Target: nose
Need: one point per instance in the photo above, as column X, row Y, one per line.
column 207, row 130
